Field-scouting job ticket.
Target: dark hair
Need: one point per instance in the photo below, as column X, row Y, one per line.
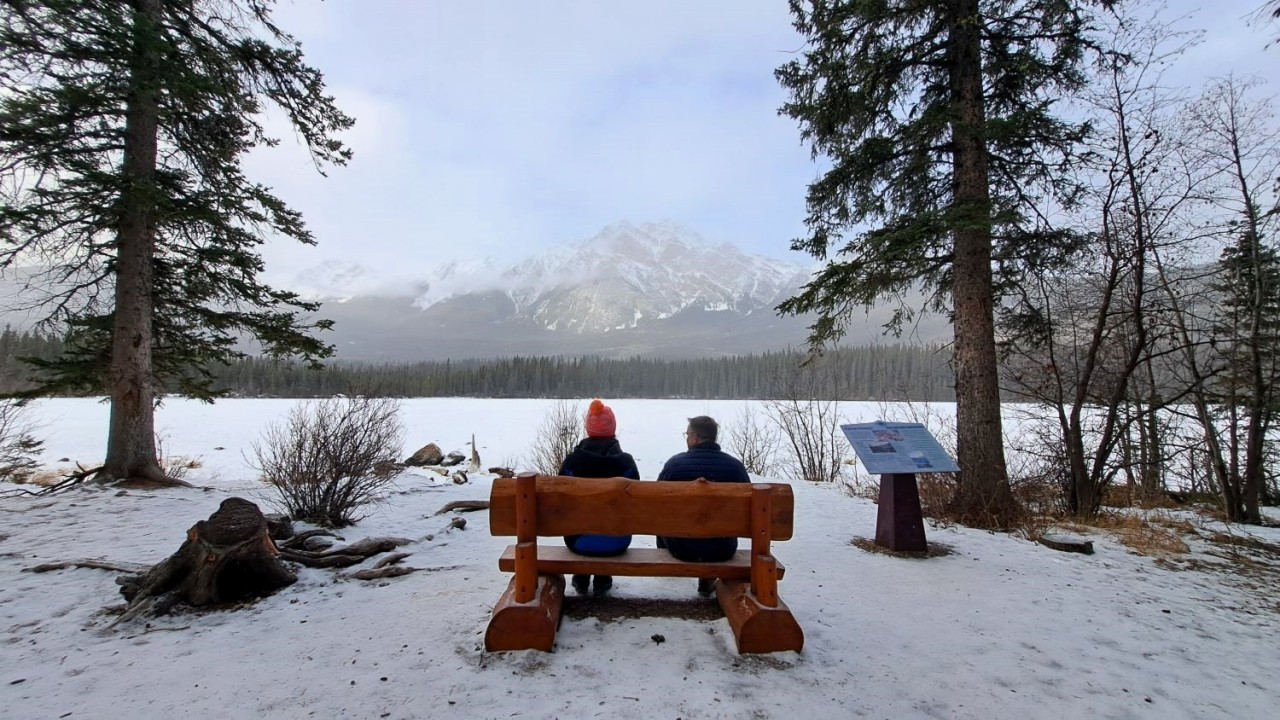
column 704, row 427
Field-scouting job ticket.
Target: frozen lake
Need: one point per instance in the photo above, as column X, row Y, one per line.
column 505, row 429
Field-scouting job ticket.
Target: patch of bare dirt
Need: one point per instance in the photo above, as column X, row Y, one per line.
column 612, row 609
column 936, row 549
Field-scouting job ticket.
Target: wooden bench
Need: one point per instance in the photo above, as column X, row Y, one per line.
column 529, row 506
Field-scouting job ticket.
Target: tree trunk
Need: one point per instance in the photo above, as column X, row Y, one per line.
column 131, row 450
column 226, row 558
column 1253, row 472
column 984, row 496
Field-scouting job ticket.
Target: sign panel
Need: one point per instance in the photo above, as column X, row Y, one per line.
column 887, row 448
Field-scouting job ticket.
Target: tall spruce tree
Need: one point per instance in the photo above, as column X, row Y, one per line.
column 936, row 120
column 122, row 128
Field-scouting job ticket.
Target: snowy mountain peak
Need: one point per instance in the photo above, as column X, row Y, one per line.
column 629, row 274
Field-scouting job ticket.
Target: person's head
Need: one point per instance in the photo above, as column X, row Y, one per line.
column 701, row 429
column 600, row 422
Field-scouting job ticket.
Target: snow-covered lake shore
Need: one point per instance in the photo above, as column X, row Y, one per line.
column 998, row 628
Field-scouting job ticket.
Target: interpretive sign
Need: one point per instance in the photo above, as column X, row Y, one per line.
column 887, row 448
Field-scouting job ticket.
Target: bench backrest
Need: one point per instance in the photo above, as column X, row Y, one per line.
column 616, row 506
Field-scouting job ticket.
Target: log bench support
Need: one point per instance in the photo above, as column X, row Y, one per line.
column 529, row 625
column 528, row 613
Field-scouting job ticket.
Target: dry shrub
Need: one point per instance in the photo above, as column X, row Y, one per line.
column 860, row 485
column 803, row 409
column 562, row 426
column 810, row 428
column 936, row 492
column 174, row 466
column 1038, row 494
column 18, row 445
column 752, row 441
column 323, row 458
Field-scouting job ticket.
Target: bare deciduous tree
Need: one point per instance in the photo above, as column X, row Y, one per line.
column 1237, row 140
column 1082, row 337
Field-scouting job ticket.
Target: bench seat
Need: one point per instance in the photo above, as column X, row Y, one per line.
column 635, row 562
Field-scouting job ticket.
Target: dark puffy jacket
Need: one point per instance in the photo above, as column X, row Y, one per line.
column 599, row 458
column 704, row 460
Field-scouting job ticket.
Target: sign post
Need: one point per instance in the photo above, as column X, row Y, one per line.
column 897, row 452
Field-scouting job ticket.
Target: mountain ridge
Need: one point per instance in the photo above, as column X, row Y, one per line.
column 647, row 289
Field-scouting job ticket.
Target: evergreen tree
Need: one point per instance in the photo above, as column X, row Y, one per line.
column 122, row 129
column 936, row 120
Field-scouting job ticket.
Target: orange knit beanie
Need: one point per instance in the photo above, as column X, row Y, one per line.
column 600, row 421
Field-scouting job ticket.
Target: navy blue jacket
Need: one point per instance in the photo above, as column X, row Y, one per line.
column 599, row 458
column 704, row 460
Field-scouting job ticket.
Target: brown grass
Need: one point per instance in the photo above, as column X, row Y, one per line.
column 1154, row 535
column 47, row 478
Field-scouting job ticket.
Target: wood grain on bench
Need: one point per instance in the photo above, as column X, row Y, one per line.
column 640, row 507
column 635, row 562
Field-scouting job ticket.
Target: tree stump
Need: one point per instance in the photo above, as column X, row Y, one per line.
column 226, row 558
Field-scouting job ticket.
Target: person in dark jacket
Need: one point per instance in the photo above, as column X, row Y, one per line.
column 598, row 456
column 703, row 460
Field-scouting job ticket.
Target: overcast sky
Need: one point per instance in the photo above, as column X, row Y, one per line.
column 505, row 127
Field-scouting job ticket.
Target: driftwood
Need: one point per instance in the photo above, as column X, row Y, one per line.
column 133, row 568
column 280, row 527
column 302, row 539
column 356, row 552
column 464, row 506
column 503, row 472
column 228, row 557
column 389, row 571
column 392, row 559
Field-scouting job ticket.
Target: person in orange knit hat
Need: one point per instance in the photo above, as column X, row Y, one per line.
column 599, row 455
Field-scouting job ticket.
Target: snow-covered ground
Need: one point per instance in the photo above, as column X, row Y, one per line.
column 999, row 628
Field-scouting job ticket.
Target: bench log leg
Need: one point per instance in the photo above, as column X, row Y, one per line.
column 758, row 629
column 527, row 626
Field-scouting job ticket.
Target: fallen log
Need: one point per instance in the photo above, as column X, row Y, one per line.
column 1067, row 543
